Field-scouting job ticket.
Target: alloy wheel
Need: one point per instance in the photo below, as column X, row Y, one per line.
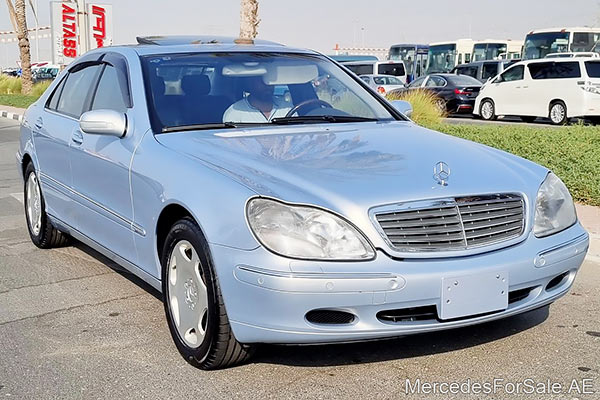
column 187, row 294
column 34, row 204
column 557, row 113
column 487, row 110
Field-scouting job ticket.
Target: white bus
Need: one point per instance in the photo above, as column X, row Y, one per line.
column 541, row 42
column 491, row 49
column 443, row 56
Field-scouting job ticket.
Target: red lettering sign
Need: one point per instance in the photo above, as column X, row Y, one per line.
column 69, row 31
column 99, row 28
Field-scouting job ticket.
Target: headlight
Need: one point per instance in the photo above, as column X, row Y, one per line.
column 554, row 208
column 306, row 232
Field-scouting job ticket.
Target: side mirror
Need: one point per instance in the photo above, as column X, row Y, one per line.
column 403, row 106
column 103, row 122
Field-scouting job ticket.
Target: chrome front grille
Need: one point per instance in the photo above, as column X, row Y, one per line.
column 453, row 224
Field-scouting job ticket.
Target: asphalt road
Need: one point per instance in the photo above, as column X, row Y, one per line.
column 74, row 325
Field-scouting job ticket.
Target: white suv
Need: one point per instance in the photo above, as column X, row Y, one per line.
column 558, row 89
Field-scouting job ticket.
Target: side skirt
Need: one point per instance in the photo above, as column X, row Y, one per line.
column 134, row 269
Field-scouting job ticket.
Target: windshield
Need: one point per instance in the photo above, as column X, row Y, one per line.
column 406, row 54
column 539, row 45
column 488, row 51
column 441, row 58
column 222, row 89
column 585, row 41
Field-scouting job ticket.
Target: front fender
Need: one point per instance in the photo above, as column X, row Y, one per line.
column 161, row 177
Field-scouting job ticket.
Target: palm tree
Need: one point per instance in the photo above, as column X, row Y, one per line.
column 18, row 19
column 249, row 20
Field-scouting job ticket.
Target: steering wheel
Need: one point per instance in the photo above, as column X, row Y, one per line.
column 304, row 104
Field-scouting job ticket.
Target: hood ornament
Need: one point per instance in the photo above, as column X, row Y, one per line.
column 441, row 173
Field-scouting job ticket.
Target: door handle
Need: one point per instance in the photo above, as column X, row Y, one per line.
column 39, row 123
column 525, row 87
column 77, row 137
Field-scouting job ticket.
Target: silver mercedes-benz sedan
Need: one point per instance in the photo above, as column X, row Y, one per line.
column 273, row 197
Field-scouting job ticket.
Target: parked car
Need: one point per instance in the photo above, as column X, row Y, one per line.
column 558, row 89
column 382, row 83
column 10, row 71
column 47, row 72
column 394, row 68
column 456, row 93
column 483, row 70
column 314, row 221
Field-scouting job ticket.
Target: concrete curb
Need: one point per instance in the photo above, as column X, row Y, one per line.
column 11, row 115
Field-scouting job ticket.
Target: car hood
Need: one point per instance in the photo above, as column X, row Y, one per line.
column 350, row 168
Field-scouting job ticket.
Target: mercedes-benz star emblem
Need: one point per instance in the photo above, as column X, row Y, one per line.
column 441, row 173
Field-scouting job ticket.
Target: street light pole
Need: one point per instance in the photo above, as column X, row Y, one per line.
column 82, row 22
column 37, row 33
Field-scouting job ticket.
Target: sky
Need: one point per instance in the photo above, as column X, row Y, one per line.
column 321, row 24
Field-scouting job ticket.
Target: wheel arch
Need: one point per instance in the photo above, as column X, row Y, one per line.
column 170, row 214
column 25, row 160
column 554, row 101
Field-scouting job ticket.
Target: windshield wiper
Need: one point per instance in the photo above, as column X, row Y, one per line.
column 200, row 127
column 320, row 118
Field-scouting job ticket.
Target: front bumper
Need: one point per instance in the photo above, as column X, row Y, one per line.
column 267, row 296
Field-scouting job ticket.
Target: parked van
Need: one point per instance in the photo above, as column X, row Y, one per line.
column 483, row 70
column 555, row 88
column 395, row 68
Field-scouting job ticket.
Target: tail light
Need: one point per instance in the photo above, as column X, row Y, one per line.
column 460, row 91
column 381, row 90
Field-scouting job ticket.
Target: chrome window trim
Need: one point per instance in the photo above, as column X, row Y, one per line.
column 432, row 253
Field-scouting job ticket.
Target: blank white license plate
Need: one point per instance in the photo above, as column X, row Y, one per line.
column 467, row 295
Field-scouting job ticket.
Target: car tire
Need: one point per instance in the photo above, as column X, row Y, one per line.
column 41, row 231
column 558, row 113
column 440, row 104
column 487, row 110
column 194, row 308
column 528, row 118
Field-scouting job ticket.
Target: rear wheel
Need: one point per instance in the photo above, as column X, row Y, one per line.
column 440, row 104
column 558, row 113
column 41, row 231
column 193, row 303
column 487, row 110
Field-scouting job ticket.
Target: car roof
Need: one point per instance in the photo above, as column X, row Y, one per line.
column 373, row 62
column 154, row 45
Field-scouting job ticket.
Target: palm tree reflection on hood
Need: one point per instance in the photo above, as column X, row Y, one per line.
column 324, row 151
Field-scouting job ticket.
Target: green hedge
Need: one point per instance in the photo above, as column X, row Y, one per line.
column 572, row 152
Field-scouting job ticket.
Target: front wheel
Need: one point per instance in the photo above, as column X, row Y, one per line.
column 558, row 113
column 487, row 110
column 193, row 303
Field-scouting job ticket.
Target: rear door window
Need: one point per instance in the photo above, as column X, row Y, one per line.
column 53, row 101
column 74, row 99
column 593, row 69
column 555, row 70
column 417, row 82
column 391, row 69
column 361, row 69
column 470, row 71
column 489, row 70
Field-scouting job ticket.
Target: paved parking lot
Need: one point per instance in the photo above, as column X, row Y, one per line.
column 74, row 325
